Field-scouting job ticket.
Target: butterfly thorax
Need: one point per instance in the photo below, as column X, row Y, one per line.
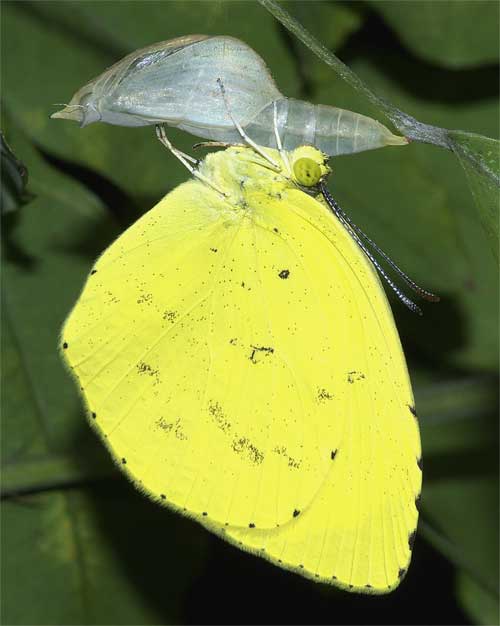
column 244, row 174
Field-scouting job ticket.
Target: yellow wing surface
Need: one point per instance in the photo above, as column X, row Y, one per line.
column 240, row 359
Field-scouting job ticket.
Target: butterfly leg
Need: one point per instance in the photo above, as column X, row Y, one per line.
column 185, row 159
column 279, row 145
column 243, row 134
column 217, row 144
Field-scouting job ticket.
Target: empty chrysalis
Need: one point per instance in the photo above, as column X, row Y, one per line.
column 175, row 83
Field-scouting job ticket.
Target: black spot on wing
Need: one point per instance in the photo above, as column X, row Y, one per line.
column 323, row 395
column 65, row 346
column 93, row 272
column 284, row 274
column 174, row 427
column 145, row 298
column 146, row 369
column 251, row 525
column 257, row 350
column 411, row 539
column 163, row 496
column 170, row 316
column 244, row 447
column 93, row 415
column 401, row 573
column 333, row 454
column 413, row 411
column 218, row 415
column 354, row 376
column 296, row 513
column 291, row 461
column 124, row 461
column 111, row 298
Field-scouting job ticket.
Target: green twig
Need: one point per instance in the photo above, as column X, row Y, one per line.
column 406, row 124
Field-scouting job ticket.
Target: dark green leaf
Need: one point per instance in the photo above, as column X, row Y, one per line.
column 480, row 158
column 95, row 557
column 480, row 604
column 457, row 418
column 463, row 523
column 336, row 22
column 450, row 33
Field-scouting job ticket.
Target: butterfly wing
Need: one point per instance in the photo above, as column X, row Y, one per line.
column 358, row 531
column 242, row 364
column 173, row 342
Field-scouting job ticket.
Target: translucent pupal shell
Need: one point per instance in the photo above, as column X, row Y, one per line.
column 176, row 83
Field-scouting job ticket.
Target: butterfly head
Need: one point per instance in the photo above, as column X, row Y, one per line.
column 309, row 166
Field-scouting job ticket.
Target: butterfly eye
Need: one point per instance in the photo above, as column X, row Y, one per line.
column 307, row 172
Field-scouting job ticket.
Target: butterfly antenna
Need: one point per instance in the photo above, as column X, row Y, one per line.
column 346, row 220
column 423, row 293
column 404, row 299
column 347, row 225
column 279, row 145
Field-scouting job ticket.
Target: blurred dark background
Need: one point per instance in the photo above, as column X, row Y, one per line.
column 79, row 544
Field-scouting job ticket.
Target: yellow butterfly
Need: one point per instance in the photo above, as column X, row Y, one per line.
column 237, row 353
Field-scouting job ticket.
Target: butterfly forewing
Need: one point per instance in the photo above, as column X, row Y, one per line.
column 174, row 343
